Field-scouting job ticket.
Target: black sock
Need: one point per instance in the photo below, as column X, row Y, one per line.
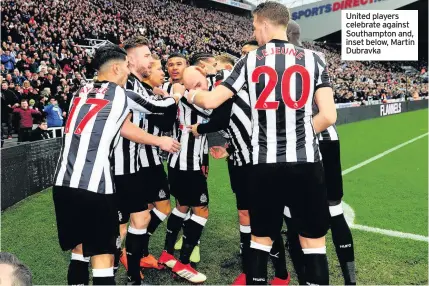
column 316, row 266
column 343, row 242
column 103, row 277
column 174, row 224
column 295, row 250
column 134, row 246
column 245, row 234
column 278, row 258
column 191, row 234
column 78, row 273
column 156, row 218
column 258, row 254
column 117, row 254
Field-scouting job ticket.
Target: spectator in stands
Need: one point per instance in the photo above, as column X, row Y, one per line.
column 13, row 272
column 54, row 114
column 41, row 132
column 6, row 120
column 25, row 117
column 8, row 60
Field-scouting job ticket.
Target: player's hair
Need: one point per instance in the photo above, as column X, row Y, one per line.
column 224, row 58
column 135, row 42
column 21, row 275
column 177, row 55
column 251, row 43
column 273, row 11
column 155, row 57
column 108, row 53
column 198, row 57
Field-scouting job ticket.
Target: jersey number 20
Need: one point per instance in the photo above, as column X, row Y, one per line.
column 262, row 102
column 99, row 105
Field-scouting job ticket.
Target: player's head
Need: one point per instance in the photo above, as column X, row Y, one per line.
column 194, row 77
column 294, row 33
column 157, row 75
column 139, row 55
column 248, row 47
column 13, row 272
column 269, row 20
column 111, row 62
column 205, row 61
column 224, row 62
column 176, row 64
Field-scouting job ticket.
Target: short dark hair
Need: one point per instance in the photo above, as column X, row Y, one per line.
column 108, row 53
column 273, row 11
column 224, row 58
column 24, row 100
column 198, row 57
column 21, row 274
column 251, row 43
column 135, row 42
column 43, row 121
column 177, row 55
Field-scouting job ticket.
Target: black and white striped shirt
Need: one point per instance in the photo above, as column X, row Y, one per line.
column 95, row 118
column 154, row 124
column 126, row 155
column 329, row 134
column 281, row 100
column 168, row 87
column 192, row 150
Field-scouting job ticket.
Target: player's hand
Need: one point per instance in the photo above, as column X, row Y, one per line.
column 179, row 88
column 190, row 94
column 193, row 129
column 218, row 152
column 169, row 144
column 160, row 91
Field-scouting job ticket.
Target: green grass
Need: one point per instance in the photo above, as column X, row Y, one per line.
column 389, row 193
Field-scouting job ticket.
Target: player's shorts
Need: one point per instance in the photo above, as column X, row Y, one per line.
column 154, row 183
column 88, row 218
column 130, row 195
column 332, row 164
column 239, row 178
column 188, row 187
column 301, row 186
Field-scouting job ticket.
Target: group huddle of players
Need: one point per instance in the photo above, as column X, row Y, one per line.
column 275, row 109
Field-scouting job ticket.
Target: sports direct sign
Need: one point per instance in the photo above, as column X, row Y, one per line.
column 333, row 7
column 235, row 4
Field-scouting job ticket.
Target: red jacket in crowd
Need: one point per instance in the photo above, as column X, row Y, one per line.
column 26, row 116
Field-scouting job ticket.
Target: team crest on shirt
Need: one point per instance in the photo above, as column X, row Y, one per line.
column 162, row 194
column 203, row 198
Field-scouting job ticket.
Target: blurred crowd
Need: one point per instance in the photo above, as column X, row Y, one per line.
column 43, row 63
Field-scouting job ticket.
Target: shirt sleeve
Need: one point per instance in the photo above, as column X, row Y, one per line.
column 148, row 104
column 321, row 72
column 219, row 119
column 236, row 80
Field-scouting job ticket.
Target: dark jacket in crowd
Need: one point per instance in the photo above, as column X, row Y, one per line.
column 39, row 134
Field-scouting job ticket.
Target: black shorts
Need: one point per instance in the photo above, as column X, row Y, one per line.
column 154, row 183
column 239, row 178
column 300, row 186
column 332, row 164
column 130, row 195
column 188, row 187
column 86, row 218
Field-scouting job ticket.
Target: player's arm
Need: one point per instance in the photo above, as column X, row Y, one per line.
column 148, row 104
column 232, row 85
column 324, row 98
column 164, row 122
column 133, row 133
column 219, row 120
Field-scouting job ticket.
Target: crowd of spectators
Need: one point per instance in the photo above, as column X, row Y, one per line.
column 42, row 60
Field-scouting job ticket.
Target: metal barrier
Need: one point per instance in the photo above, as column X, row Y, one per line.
column 30, row 167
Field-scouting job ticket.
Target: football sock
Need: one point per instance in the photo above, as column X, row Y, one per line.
column 245, row 234
column 117, row 255
column 295, row 250
column 316, row 266
column 156, row 218
column 78, row 273
column 258, row 267
column 174, row 224
column 134, row 245
column 278, row 258
column 103, row 276
column 343, row 241
column 191, row 234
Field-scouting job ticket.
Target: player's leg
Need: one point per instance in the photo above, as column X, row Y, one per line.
column 309, row 202
column 278, row 258
column 70, row 232
column 293, row 246
column 102, row 269
column 341, row 234
column 265, row 209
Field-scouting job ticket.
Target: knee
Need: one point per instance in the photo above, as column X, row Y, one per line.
column 265, row 241
column 312, row 242
column 201, row 211
column 164, row 207
column 78, row 249
column 140, row 220
column 243, row 217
